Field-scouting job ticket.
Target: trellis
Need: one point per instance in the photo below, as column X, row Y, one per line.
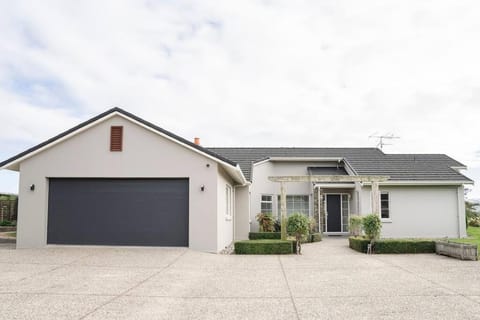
column 283, row 180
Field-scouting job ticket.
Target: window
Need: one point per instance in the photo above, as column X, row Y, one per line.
column 266, row 204
column 116, row 138
column 296, row 204
column 385, row 205
column 228, row 201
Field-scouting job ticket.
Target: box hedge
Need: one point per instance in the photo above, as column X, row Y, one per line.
column 393, row 245
column 264, row 235
column 265, row 246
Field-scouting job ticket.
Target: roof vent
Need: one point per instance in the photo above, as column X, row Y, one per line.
column 196, row 140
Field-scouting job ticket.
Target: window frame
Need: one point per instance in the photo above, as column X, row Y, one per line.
column 266, row 202
column 308, row 202
column 382, row 208
column 228, row 202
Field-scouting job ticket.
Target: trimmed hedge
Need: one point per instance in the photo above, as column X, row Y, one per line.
column 264, row 235
column 265, row 246
column 393, row 245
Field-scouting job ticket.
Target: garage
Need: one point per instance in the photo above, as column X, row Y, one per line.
column 136, row 212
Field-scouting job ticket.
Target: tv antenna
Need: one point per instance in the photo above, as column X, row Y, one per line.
column 381, row 139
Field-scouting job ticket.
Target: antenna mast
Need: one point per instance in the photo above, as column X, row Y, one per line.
column 380, row 142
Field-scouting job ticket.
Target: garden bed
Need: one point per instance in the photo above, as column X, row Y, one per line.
column 360, row 244
column 462, row 251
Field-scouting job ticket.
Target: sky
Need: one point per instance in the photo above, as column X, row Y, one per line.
column 320, row 73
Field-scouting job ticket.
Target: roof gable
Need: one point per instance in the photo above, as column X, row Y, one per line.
column 13, row 162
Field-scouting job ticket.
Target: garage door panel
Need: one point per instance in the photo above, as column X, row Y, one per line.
column 118, row 212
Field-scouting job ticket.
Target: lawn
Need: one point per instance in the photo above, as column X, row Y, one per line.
column 473, row 236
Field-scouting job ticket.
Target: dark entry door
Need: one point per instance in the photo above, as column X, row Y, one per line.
column 139, row 212
column 334, row 220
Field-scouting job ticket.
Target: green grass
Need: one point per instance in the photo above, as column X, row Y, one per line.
column 473, row 236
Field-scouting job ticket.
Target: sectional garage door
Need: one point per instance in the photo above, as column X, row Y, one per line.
column 141, row 212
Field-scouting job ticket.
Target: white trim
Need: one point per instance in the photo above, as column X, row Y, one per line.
column 261, row 162
column 420, row 182
column 228, row 202
column 389, row 219
column 341, row 212
column 458, row 168
column 306, row 159
column 334, row 185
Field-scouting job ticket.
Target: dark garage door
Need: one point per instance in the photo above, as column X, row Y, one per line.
column 143, row 212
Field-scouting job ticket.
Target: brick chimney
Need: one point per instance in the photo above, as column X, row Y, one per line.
column 196, row 140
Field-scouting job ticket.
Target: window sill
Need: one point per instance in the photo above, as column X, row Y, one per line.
column 389, row 220
column 227, row 218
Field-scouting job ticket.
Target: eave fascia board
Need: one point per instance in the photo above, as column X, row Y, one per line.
column 334, row 185
column 306, row 159
column 422, row 183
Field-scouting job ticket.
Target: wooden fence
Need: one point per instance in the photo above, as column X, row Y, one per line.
column 8, row 209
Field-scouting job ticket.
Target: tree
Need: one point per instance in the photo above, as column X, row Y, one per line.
column 372, row 226
column 471, row 212
column 298, row 225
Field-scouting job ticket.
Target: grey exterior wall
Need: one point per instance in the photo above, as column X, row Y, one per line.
column 261, row 184
column 416, row 211
column 421, row 211
column 242, row 213
column 224, row 222
column 145, row 154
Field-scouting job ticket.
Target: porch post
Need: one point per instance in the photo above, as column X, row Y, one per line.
column 319, row 205
column 283, row 210
column 375, row 198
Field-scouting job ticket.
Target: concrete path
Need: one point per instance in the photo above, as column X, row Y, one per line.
column 329, row 281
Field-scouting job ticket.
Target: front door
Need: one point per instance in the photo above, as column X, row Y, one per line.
column 334, row 217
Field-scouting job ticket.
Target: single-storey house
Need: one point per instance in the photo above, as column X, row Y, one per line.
column 117, row 179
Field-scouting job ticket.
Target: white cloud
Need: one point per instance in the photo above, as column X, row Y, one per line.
column 315, row 73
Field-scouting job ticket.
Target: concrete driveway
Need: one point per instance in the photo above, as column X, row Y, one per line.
column 329, row 281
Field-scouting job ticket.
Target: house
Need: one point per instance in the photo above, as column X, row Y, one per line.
column 117, row 179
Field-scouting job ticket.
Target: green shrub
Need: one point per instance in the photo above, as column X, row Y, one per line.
column 264, row 235
column 6, row 223
column 264, row 247
column 265, row 222
column 359, row 244
column 298, row 226
column 393, row 245
column 355, row 226
column 404, row 246
column 372, row 225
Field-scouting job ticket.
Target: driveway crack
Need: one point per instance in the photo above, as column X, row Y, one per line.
column 134, row 287
column 289, row 289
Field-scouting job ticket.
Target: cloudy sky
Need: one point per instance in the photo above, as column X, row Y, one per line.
column 247, row 73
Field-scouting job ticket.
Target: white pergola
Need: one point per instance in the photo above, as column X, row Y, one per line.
column 283, row 180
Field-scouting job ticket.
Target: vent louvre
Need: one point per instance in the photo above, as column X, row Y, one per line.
column 116, row 138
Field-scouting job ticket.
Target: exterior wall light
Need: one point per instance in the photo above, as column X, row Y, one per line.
column 32, row 187
column 202, row 187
